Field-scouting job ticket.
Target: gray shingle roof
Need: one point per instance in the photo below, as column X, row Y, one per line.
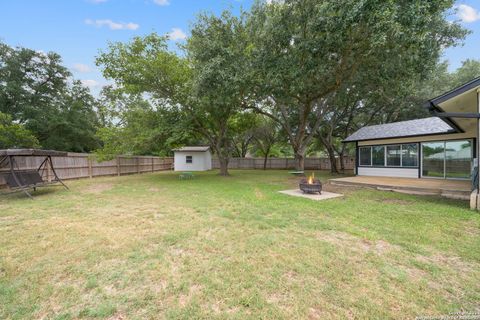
column 192, row 149
column 418, row 127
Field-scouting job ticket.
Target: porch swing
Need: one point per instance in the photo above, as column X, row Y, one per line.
column 23, row 180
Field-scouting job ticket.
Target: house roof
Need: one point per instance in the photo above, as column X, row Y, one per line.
column 455, row 92
column 433, row 105
column 192, row 149
column 411, row 128
column 32, row 152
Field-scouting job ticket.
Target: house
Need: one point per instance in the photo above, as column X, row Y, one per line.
column 193, row 159
column 443, row 146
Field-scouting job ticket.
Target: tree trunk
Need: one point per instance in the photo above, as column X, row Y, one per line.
column 341, row 155
column 300, row 161
column 223, row 165
column 265, row 159
column 333, row 160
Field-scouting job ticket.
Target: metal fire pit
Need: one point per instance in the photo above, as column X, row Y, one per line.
column 314, row 187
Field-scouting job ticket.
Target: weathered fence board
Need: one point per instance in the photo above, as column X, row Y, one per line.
column 284, row 163
column 81, row 165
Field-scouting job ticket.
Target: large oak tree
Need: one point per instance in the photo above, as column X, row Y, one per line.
column 303, row 51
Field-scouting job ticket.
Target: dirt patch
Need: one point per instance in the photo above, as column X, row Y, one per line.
column 451, row 262
column 98, row 188
column 314, row 313
column 356, row 244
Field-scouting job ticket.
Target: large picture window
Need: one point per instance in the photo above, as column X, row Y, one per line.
column 410, row 155
column 400, row 155
column 365, row 156
column 394, row 156
column 378, row 156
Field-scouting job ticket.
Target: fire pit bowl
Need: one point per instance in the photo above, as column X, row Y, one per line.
column 311, row 186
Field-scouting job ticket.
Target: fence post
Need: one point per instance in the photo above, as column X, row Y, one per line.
column 90, row 171
column 118, row 166
column 153, row 165
column 138, row 164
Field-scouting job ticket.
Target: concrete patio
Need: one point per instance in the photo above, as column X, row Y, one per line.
column 455, row 189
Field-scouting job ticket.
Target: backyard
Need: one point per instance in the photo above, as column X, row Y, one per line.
column 154, row 246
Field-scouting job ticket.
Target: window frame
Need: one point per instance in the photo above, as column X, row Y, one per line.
column 472, row 153
column 418, row 146
column 360, row 158
column 187, row 158
column 386, row 156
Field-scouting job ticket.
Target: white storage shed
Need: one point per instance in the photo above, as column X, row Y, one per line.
column 193, row 159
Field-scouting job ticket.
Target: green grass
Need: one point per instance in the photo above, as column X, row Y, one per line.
column 154, row 246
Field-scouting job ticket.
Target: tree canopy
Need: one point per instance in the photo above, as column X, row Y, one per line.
column 303, row 52
column 303, row 74
column 38, row 92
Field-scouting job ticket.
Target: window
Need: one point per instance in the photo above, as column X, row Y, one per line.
column 399, row 155
column 189, row 159
column 393, row 156
column 378, row 156
column 365, row 156
column 447, row 159
column 410, row 155
column 458, row 159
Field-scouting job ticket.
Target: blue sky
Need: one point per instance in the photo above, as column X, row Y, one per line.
column 78, row 29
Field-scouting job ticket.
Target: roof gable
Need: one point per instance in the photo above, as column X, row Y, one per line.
column 456, row 92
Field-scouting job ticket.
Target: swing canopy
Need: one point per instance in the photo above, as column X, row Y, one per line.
column 24, row 179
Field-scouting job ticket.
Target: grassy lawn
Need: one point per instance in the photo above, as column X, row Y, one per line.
column 152, row 246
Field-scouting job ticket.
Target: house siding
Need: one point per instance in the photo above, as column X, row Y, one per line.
column 388, row 172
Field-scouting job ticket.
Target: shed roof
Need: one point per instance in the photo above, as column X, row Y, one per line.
column 418, row 127
column 192, row 149
column 32, row 152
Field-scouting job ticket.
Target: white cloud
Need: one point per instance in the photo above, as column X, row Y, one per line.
column 162, row 2
column 177, row 34
column 90, row 83
column 112, row 25
column 467, row 14
column 82, row 68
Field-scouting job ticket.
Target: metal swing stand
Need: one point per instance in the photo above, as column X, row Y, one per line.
column 24, row 179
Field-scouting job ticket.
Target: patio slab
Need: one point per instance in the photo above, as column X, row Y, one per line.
column 317, row 197
column 455, row 189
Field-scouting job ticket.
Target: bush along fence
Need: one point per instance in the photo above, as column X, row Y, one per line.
column 284, row 163
column 82, row 165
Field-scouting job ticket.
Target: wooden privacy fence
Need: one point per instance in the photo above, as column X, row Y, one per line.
column 82, row 165
column 284, row 163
